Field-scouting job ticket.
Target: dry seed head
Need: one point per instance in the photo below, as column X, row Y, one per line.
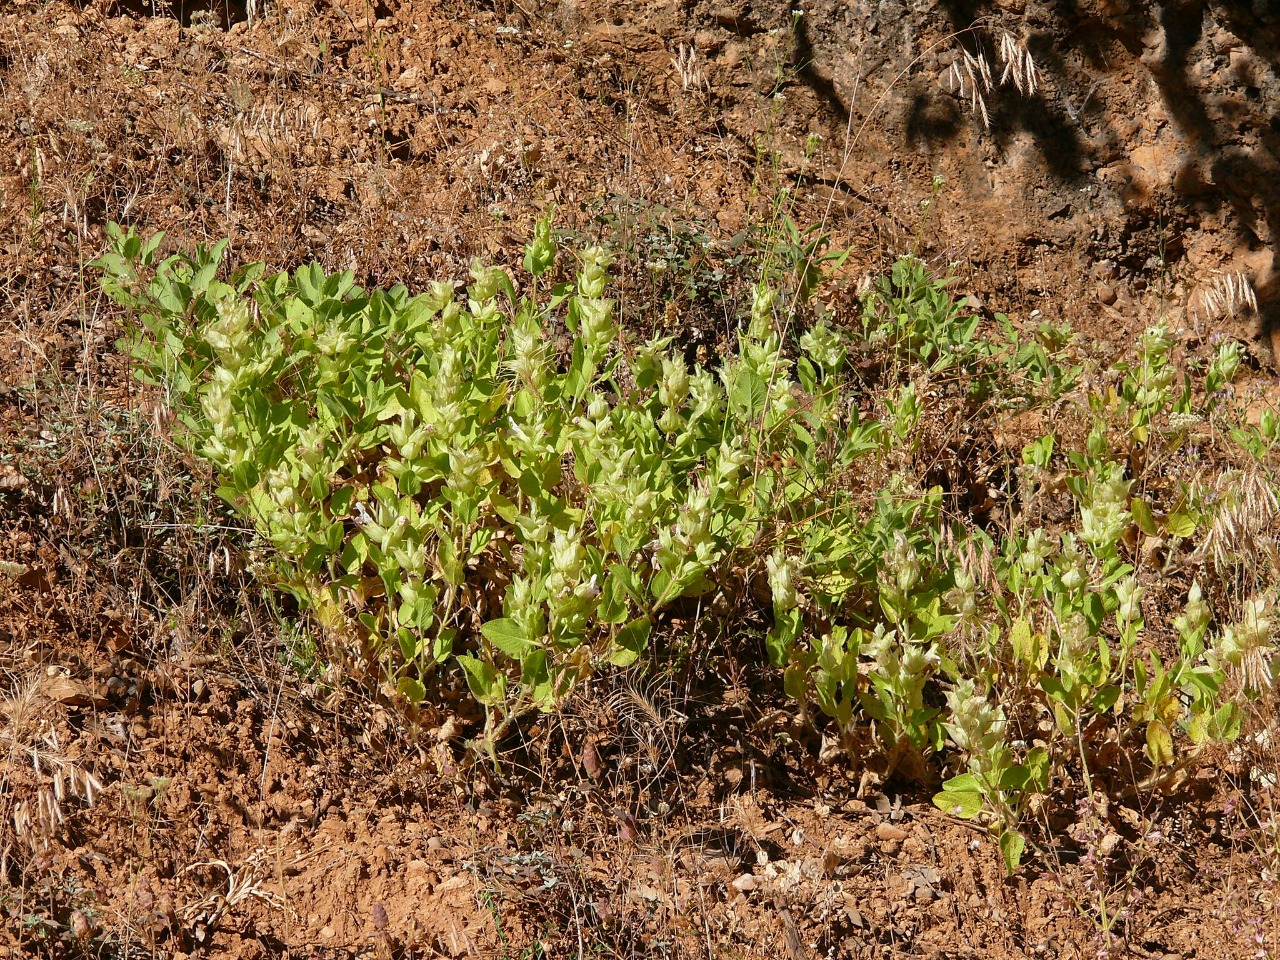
column 1018, row 65
column 38, row 779
column 969, row 75
column 647, row 716
column 1243, row 523
column 1228, row 296
column 689, row 68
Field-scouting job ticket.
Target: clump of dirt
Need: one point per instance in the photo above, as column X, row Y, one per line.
column 240, row 810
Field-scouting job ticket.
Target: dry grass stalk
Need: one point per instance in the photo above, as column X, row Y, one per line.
column 39, row 779
column 1228, row 296
column 1018, row 65
column 689, row 67
column 970, row 77
column 1243, row 524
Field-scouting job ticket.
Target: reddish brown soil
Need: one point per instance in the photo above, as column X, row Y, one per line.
column 243, row 815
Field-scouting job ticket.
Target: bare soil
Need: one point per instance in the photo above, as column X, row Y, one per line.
column 245, row 814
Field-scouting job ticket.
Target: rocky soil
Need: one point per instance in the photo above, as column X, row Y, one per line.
column 237, row 811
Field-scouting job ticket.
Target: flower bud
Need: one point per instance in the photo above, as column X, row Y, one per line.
column 487, row 281
column 762, row 302
column 783, row 572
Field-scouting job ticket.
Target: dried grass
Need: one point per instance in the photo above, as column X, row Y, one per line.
column 970, row 76
column 1243, row 529
column 688, row 66
column 647, row 718
column 40, row 780
column 1229, row 296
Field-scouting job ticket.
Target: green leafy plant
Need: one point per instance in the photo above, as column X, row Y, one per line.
column 443, row 490
column 506, row 493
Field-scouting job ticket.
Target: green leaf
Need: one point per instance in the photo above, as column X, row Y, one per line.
column 807, row 374
column 410, row 644
column 748, row 393
column 963, row 782
column 1015, row 778
column 795, row 681
column 1030, row 648
column 245, row 476
column 965, row 804
column 509, row 637
column 450, row 564
column 1012, row 845
column 1142, row 516
column 340, row 502
column 504, row 508
column 1038, row 766
column 411, row 689
column 1106, row 698
column 630, row 642
column 355, row 553
column 486, row 684
column 442, row 646
column 1227, row 722
column 1095, row 611
column 614, row 598
column 1198, row 729
column 662, row 588
column 1180, row 525
column 778, row 641
column 1159, row 743
column 529, row 484
column 536, row 676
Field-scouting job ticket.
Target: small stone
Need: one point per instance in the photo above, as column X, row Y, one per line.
column 745, row 883
column 1106, row 294
column 890, row 831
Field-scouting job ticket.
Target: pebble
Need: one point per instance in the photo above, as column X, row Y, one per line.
column 890, row 831
column 745, row 883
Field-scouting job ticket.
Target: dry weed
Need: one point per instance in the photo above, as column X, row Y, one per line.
column 689, row 67
column 244, row 884
column 1227, row 297
column 39, row 779
column 970, row 77
column 1243, row 528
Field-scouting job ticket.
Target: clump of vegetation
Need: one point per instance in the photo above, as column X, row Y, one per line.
column 507, row 492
